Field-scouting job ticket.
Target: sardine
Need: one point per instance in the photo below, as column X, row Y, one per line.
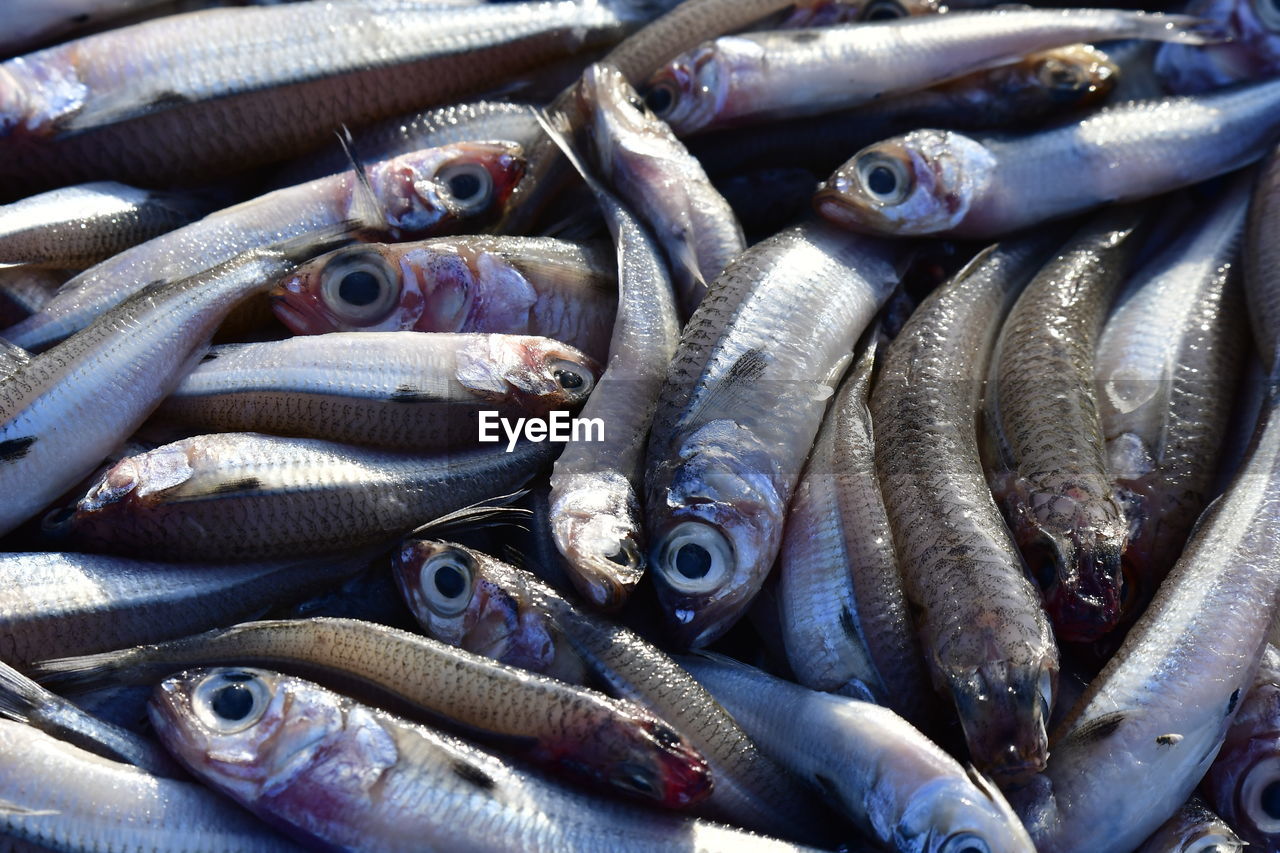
column 1167, row 364
column 414, row 194
column 1262, row 264
column 512, row 285
column 941, row 182
column 30, row 23
column 985, row 635
column 896, row 786
column 783, row 74
column 61, row 796
column 62, row 411
column 399, row 390
column 1194, row 828
column 251, row 496
column 1049, row 472
column 573, row 730
column 1243, row 784
column 350, row 777
column 652, row 170
column 845, row 623
column 743, row 398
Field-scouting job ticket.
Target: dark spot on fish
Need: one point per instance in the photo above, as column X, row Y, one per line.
column 82, row 18
column 666, row 737
column 409, row 394
column 848, row 624
column 748, row 368
column 244, row 484
column 209, row 356
column 1231, row 703
column 169, row 99
column 474, row 775
column 803, row 37
column 16, row 448
column 1099, row 729
column 1168, row 740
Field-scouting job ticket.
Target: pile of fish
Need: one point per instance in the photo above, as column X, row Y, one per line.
column 639, row 425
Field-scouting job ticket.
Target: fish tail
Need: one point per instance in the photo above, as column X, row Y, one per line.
column 80, row 671
column 19, row 695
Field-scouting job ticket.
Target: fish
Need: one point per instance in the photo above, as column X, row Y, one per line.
column 398, row 390
column 477, row 603
column 1253, row 53
column 1194, row 828
column 941, row 182
column 1049, row 471
column 755, row 77
column 823, row 13
column 1261, row 289
column 413, row 194
column 596, row 740
column 986, row 639
column 641, row 158
column 252, row 496
column 509, row 285
column 845, row 622
column 1241, row 783
column 191, row 97
column 743, row 398
column 58, row 794
column 34, row 22
column 594, row 506
column 1166, row 366
column 77, row 227
column 895, row 784
column 25, row 290
column 63, row 410
column 343, row 775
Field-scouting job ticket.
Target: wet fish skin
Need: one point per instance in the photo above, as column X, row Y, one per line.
column 737, row 408
column 1239, row 784
column 414, row 788
column 947, row 183
column 25, row 290
column 985, row 635
column 1262, row 291
column 474, row 602
column 896, row 785
column 755, row 77
column 1194, row 828
column 1051, row 476
column 252, row 496
column 33, row 22
column 572, row 730
column 512, row 285
column 63, row 796
column 77, row 227
column 845, row 623
column 398, row 390
column 412, row 195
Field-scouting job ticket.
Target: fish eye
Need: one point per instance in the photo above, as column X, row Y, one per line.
column 469, row 184
column 635, row 778
column 661, row 98
column 884, row 179
column 1061, row 77
column 695, row 558
column 360, row 288
column 1269, row 799
column 574, row 378
column 883, row 10
column 445, row 580
column 230, row 701
column 964, row 842
column 1259, row 795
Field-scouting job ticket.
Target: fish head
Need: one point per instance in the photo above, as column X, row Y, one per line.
column 595, row 524
column 538, row 374
column 690, row 91
column 617, row 111
column 951, row 815
column 1071, row 76
column 451, row 187
column 716, row 531
column 921, row 183
column 1004, row 711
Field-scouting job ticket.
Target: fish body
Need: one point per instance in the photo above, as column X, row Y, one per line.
column 1253, row 53
column 1261, row 257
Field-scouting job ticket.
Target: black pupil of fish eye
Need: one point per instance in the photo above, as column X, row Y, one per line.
column 881, row 180
column 359, row 288
column 568, row 379
column 233, row 702
column 1271, row 800
column 464, row 186
column 693, row 561
column 659, row 99
column 449, row 581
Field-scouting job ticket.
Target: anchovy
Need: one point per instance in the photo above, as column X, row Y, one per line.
column 33, row 22
column 414, row 194
column 573, row 730
column 744, row 396
column 941, row 182
column 251, row 496
column 985, row 635
column 361, row 779
column 398, row 390
column 1262, row 264
column 899, row 788
column 845, row 623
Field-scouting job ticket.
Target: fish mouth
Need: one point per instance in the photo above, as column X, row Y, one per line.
column 1084, row 601
column 1003, row 708
column 607, row 580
